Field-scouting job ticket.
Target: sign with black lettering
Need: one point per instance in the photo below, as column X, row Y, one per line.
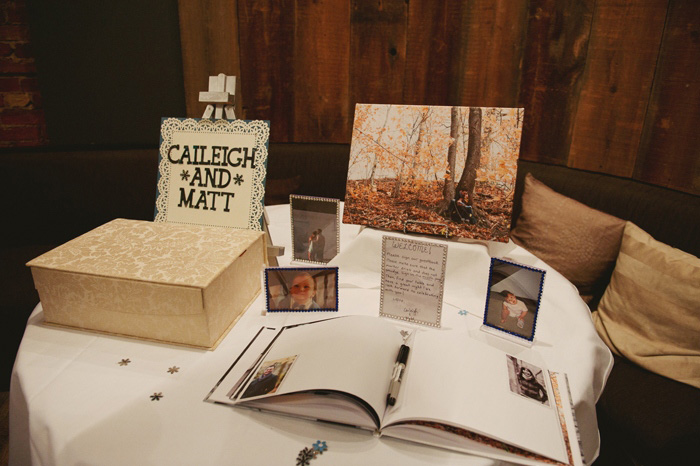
column 212, row 172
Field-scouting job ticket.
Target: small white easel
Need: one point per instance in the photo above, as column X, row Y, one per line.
column 220, row 99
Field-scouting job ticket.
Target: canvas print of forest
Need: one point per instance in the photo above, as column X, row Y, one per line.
column 434, row 170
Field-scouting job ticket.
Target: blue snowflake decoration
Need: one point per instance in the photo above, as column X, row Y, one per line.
column 463, row 312
column 307, row 454
column 320, row 446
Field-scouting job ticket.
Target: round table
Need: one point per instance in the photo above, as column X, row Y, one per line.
column 78, row 397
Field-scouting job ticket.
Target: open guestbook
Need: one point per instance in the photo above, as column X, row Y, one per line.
column 456, row 392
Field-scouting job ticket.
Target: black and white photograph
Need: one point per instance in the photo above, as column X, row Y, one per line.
column 513, row 298
column 315, row 228
column 301, row 289
column 527, row 380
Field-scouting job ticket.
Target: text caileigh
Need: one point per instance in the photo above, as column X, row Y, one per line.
column 217, row 156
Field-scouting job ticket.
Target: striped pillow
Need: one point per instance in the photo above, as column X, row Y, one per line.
column 650, row 312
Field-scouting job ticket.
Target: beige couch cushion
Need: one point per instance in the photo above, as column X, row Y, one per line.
column 581, row 243
column 650, row 313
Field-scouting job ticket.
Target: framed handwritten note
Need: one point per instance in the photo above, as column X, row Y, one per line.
column 212, row 172
column 413, row 279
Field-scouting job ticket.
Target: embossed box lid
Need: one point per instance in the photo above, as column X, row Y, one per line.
column 166, row 253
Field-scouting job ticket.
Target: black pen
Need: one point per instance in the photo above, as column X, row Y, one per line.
column 396, row 377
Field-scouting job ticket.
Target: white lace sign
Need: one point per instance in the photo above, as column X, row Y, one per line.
column 212, row 172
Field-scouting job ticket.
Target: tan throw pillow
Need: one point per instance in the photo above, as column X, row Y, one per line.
column 581, row 243
column 650, row 313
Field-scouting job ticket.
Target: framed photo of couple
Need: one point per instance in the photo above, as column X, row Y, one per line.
column 315, row 228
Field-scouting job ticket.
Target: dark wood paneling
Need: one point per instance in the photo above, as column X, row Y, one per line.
column 553, row 64
column 490, row 53
column 432, row 68
column 267, row 54
column 622, row 54
column 669, row 153
column 209, row 41
column 321, row 71
column 377, row 51
column 583, row 70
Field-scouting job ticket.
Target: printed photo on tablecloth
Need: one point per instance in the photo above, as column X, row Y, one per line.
column 315, row 228
column 513, row 298
column 527, row 380
column 448, row 171
column 413, row 280
column 212, row 172
column 294, row 289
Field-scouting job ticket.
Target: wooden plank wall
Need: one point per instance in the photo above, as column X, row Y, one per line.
column 610, row 86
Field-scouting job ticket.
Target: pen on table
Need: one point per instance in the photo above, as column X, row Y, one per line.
column 399, row 368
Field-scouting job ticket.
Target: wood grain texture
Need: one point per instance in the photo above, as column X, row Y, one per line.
column 491, row 52
column 669, row 152
column 267, row 57
column 553, row 65
column 622, row 55
column 209, row 41
column 608, row 86
column 377, row 51
column 321, row 71
column 433, row 69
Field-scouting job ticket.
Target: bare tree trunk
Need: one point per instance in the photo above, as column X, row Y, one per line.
column 467, row 181
column 397, row 185
column 378, row 141
column 419, row 143
column 448, row 189
column 396, row 192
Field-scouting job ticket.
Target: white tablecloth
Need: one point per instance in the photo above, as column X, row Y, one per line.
column 71, row 402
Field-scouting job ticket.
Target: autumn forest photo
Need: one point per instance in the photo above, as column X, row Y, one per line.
column 446, row 171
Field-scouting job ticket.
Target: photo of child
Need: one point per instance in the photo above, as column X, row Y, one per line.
column 513, row 298
column 527, row 380
column 513, row 307
column 301, row 289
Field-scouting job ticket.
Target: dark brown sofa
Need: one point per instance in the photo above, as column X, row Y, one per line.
column 52, row 196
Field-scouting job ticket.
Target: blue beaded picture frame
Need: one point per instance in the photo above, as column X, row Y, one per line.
column 513, row 298
column 301, row 289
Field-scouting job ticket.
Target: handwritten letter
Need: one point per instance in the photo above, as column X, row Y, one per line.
column 413, row 278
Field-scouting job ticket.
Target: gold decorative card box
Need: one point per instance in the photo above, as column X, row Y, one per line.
column 176, row 283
